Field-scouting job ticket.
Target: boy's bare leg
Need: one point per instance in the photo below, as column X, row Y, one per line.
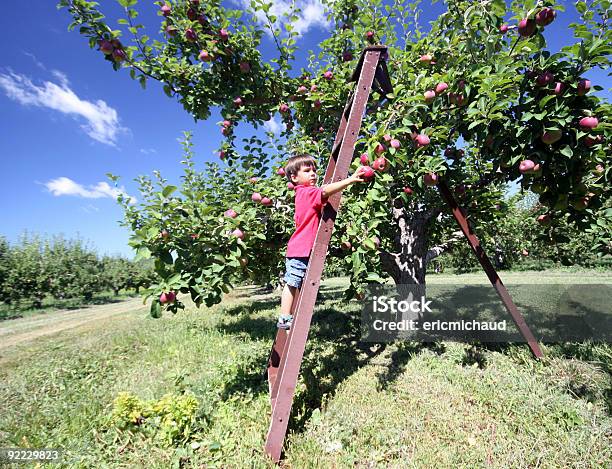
column 287, row 299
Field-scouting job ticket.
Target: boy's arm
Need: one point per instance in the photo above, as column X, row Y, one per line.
column 330, row 189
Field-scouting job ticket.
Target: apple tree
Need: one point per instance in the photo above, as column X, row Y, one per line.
column 478, row 101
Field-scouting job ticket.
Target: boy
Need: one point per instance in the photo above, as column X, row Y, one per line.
column 309, row 202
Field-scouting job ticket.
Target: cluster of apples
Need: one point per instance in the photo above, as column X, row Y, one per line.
column 380, row 164
column 113, row 49
column 527, row 27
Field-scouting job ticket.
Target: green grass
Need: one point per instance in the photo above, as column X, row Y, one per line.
column 366, row 405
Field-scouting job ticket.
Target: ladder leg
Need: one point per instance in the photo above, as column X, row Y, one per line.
column 283, row 387
column 485, row 262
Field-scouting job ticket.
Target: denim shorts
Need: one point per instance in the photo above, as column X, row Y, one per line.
column 295, row 270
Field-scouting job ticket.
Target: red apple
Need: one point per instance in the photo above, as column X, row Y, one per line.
column 253, row 180
column 280, row 171
column 256, row 197
column 346, row 245
column 106, row 47
column 313, row 88
column 238, row 101
column 245, row 67
column 231, row 213
column 222, row 154
column 164, row 234
column 583, row 87
column 408, row 191
column 266, row 201
column 544, row 220
column 370, row 35
column 430, row 179
column 317, row 104
column 290, row 186
column 527, row 27
column 592, row 141
column 168, row 297
column 380, row 148
column 380, row 164
column 119, row 55
column 243, row 262
column 387, row 138
column 589, row 123
column 526, row 167
column 328, row 75
column 283, row 108
column 503, row 28
column 525, row 252
column 551, row 136
column 302, row 89
column 545, row 16
column 422, row 140
column 449, row 152
column 425, row 59
column 441, row 87
column 205, row 56
column 599, row 169
column 368, row 173
column 226, row 123
column 395, row 143
column 165, row 10
column 223, row 34
column 364, row 159
column 192, row 14
column 545, row 78
column 581, row 203
column 171, row 30
column 429, row 96
column 238, row 233
column 190, row 35
column 347, row 57
column 376, row 242
column 559, row 88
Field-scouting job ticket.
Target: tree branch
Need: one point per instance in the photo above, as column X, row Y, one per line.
column 442, row 248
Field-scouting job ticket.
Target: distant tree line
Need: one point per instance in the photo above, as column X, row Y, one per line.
column 34, row 269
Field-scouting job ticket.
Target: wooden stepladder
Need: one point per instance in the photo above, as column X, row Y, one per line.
column 288, row 348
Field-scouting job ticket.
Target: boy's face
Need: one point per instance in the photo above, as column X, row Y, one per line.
column 306, row 176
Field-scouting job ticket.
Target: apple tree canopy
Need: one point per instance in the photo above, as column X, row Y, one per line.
column 478, row 100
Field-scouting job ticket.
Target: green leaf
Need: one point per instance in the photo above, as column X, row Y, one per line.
column 156, row 310
column 168, row 190
column 566, row 151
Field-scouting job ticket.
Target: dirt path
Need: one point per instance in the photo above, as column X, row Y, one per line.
column 17, row 331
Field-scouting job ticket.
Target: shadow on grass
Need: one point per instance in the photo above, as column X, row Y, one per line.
column 335, row 351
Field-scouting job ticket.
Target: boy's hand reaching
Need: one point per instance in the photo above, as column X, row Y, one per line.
column 358, row 175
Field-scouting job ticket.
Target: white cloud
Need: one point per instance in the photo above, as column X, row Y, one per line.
column 66, row 186
column 312, row 14
column 274, row 126
column 148, row 151
column 102, row 120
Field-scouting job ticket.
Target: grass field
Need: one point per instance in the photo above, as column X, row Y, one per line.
column 404, row 404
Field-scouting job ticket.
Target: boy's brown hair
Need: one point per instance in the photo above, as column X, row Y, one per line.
column 295, row 163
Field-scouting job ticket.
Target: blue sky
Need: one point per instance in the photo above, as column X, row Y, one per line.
column 61, row 104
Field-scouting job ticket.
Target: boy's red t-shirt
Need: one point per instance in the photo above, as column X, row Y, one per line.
column 308, row 204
